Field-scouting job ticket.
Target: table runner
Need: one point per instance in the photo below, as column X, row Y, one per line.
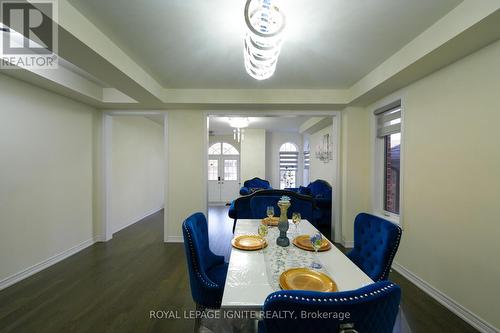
column 279, row 259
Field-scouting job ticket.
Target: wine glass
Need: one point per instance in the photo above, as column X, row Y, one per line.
column 296, row 220
column 263, row 230
column 270, row 211
column 316, row 241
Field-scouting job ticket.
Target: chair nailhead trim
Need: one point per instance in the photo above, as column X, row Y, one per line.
column 340, row 299
column 391, row 257
column 194, row 262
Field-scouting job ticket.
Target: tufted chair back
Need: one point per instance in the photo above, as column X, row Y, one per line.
column 304, row 206
column 320, row 189
column 376, row 241
column 257, row 183
column 372, row 308
column 254, row 184
column 206, row 291
column 241, row 208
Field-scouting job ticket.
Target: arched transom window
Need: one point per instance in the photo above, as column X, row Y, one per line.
column 289, row 162
column 288, row 146
column 222, row 148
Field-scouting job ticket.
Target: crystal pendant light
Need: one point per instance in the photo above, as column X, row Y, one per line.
column 238, row 134
column 265, row 24
column 238, row 123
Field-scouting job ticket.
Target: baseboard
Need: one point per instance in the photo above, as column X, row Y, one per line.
column 101, row 239
column 348, row 244
column 471, row 318
column 137, row 220
column 174, row 239
column 10, row 280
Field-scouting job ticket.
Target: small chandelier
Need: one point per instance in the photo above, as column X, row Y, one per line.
column 265, row 24
column 324, row 152
column 238, row 123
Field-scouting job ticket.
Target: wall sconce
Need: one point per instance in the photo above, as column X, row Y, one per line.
column 324, row 152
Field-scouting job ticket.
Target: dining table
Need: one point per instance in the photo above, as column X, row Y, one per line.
column 253, row 275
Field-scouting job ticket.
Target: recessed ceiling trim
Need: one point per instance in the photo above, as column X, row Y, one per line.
column 461, row 18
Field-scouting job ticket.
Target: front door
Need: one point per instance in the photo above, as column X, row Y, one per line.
column 214, row 179
column 223, row 178
column 230, row 184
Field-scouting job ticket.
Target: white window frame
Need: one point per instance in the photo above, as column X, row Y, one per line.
column 297, row 150
column 379, row 165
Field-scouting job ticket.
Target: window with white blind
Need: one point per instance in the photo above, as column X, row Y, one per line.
column 307, row 159
column 388, row 159
column 289, row 162
column 307, row 162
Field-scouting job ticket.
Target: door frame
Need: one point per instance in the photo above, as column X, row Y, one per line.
column 105, row 175
column 336, row 233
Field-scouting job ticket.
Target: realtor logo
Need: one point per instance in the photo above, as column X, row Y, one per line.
column 28, row 34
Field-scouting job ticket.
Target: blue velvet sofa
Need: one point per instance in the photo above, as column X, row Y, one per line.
column 241, row 208
column 254, row 184
column 321, row 192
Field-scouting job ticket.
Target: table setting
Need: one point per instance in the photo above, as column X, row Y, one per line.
column 268, row 256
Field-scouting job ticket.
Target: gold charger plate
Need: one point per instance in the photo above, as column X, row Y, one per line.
column 271, row 221
column 306, row 279
column 304, row 242
column 249, row 242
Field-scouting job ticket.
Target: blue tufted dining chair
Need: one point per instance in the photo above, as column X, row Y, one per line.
column 207, row 271
column 372, row 309
column 376, row 241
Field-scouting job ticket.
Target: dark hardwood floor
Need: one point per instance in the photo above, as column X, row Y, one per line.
column 113, row 286
column 220, row 230
column 108, row 287
column 421, row 312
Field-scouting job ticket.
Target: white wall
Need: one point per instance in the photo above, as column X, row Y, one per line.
column 253, row 154
column 319, row 169
column 451, row 176
column 451, row 180
column 356, row 168
column 274, row 140
column 186, row 166
column 138, row 169
column 46, row 175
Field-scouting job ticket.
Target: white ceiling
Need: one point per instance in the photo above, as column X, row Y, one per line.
column 220, row 125
column 198, row 43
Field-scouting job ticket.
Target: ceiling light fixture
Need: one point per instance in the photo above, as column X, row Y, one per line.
column 265, row 24
column 238, row 123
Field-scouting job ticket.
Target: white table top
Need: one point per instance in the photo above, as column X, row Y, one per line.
column 247, row 284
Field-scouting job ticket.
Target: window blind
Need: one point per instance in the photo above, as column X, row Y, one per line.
column 307, row 159
column 289, row 160
column 388, row 119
